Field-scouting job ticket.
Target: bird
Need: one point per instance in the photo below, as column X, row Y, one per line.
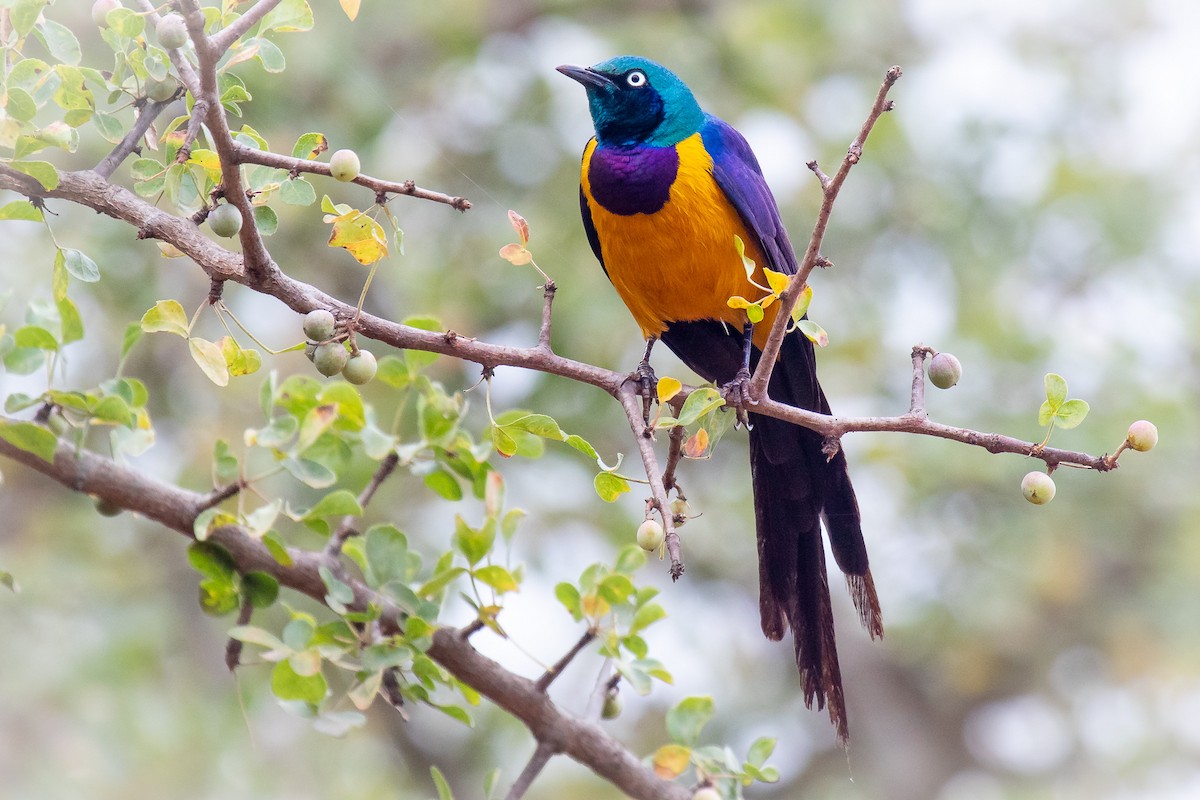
column 664, row 190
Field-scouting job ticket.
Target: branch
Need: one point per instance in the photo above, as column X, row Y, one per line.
column 346, row 529
column 644, row 436
column 224, row 39
column 812, row 255
column 248, row 155
column 175, row 508
column 543, row 683
column 148, row 112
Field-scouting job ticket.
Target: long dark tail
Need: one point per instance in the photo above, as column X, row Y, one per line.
column 796, row 485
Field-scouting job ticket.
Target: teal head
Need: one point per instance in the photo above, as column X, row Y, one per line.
column 635, row 101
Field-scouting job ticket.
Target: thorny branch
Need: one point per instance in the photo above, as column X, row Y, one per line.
column 812, row 254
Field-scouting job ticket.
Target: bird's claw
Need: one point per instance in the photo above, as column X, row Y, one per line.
column 736, row 395
column 647, row 383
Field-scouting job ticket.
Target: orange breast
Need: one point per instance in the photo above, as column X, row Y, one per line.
column 680, row 263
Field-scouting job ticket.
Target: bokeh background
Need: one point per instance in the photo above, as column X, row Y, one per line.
column 1032, row 205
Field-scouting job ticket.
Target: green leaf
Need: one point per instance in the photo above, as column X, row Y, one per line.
column 386, row 552
column 211, row 560
column 21, row 210
column 754, row 313
column 276, row 547
column 286, row 684
column 760, row 751
column 338, row 503
column 439, row 581
column 1071, row 414
column 1056, row 389
column 72, row 323
column 498, row 578
column 261, row 519
column 568, row 595
column 630, row 559
column 31, row 438
column 444, row 484
column 9, row 582
column 266, row 220
column 687, row 718
column 610, row 486
column 61, row 43
column 308, row 147
column 418, row 359
column 25, row 14
column 814, row 332
column 36, row 337
column 289, row 16
column 443, row 786
column 260, row 588
column 699, row 403
column 338, row 723
column 271, row 56
column 337, row 590
column 1045, row 413
column 41, row 171
column 210, row 359
column 309, row 472
column 297, row 192
column 168, row 316
column 646, row 616
column 473, row 543
column 582, row 445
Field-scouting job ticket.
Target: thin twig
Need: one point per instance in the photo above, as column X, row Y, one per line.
column 916, row 405
column 830, row 188
column 548, row 291
column 543, row 683
column 537, row 762
column 148, row 112
column 631, row 401
column 674, row 456
column 248, row 155
column 346, row 529
column 222, row 40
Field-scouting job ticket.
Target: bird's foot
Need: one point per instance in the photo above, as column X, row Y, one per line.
column 647, row 383
column 736, row 395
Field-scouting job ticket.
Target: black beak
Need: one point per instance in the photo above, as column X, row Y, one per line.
column 586, row 76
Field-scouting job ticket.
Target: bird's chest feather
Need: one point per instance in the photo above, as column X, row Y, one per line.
column 666, row 233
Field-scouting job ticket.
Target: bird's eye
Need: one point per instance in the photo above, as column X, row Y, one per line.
column 636, row 78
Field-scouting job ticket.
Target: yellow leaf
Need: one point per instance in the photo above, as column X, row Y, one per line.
column 205, row 158
column 776, row 280
column 668, row 387
column 210, row 360
column 737, row 301
column 802, row 303
column 516, row 254
column 671, row 760
column 361, row 236
column 747, row 263
column 351, row 8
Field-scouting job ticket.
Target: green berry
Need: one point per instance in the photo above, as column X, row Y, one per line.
column 161, row 91
column 360, row 368
column 944, row 370
column 100, row 11
column 1142, row 436
column 225, row 220
column 1038, row 488
column 107, row 508
column 612, row 706
column 310, row 350
column 319, row 325
column 171, row 31
column 650, row 535
column 331, row 358
column 706, row 793
column 344, row 165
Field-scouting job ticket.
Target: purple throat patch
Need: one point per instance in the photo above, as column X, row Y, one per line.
column 633, row 180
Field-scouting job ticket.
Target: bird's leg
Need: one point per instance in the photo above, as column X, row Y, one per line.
column 646, row 379
column 737, row 392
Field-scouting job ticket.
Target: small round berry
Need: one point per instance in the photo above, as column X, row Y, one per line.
column 650, row 535
column 107, row 508
column 319, row 325
column 1038, row 488
column 171, row 31
column 361, row 368
column 706, row 793
column 161, row 91
column 1142, row 436
column 344, row 165
column 612, row 706
column 944, row 370
column 225, row 220
column 331, row 358
column 100, row 11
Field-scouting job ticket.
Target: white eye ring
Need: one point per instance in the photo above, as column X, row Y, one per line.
column 636, row 78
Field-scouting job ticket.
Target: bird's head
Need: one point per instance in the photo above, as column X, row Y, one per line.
column 633, row 100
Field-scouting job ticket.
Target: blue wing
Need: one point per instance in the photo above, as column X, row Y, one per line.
column 737, row 172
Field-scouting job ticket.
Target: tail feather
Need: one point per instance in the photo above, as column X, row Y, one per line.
column 796, row 486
